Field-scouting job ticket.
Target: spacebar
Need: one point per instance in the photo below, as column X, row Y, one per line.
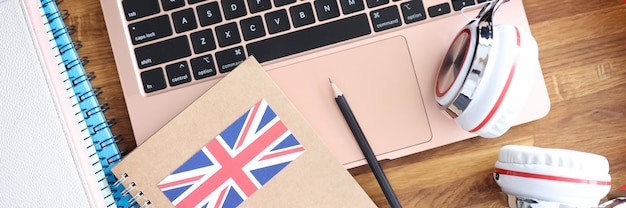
column 310, row 38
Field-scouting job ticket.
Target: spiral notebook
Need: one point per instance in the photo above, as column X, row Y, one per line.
column 240, row 144
column 55, row 138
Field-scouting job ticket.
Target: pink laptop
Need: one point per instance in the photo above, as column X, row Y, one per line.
column 383, row 54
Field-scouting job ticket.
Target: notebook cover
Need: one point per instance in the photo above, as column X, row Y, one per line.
column 313, row 179
column 43, row 159
column 101, row 143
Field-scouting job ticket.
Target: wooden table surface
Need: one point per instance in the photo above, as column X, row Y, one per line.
column 582, row 50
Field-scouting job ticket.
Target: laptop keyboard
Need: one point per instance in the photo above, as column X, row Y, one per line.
column 198, row 39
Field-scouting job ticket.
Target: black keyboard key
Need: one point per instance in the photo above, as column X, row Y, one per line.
column 209, row 14
column 150, row 29
column 227, row 34
column 153, row 80
column 203, row 67
column 234, row 8
column 326, row 9
column 375, row 3
column 386, row 18
column 134, row 9
column 302, row 15
column 172, row 4
column 277, row 21
column 194, row 1
column 278, row 3
column 202, row 41
column 459, row 4
column 413, row 11
column 439, row 9
column 227, row 60
column 351, row 6
column 178, row 73
column 161, row 52
column 252, row 28
column 259, row 5
column 184, row 20
column 310, row 38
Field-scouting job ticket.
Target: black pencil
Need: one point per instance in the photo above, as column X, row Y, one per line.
column 365, row 147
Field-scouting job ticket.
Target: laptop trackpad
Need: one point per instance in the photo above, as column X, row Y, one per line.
column 379, row 82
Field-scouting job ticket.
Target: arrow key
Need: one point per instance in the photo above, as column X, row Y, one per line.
column 439, row 9
column 459, row 4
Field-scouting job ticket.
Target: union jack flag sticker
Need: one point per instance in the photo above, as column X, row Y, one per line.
column 236, row 163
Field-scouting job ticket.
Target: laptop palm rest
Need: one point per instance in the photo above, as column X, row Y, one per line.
column 380, row 84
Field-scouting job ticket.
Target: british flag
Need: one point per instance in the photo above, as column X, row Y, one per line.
column 236, row 163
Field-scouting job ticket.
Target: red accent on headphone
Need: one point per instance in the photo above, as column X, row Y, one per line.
column 549, row 177
column 503, row 93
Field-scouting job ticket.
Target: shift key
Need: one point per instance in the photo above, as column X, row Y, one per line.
column 161, row 52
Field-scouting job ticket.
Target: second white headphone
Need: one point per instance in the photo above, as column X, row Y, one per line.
column 549, row 176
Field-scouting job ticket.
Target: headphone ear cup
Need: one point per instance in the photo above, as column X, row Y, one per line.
column 554, row 175
column 504, row 89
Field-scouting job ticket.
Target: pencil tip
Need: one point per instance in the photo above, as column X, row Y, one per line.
column 335, row 88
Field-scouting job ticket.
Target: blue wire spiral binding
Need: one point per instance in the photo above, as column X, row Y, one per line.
column 98, row 126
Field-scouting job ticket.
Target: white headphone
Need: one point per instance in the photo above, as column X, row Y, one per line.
column 485, row 77
column 546, row 177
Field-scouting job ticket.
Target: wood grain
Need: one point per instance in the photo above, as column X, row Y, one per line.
column 582, row 47
column 86, row 16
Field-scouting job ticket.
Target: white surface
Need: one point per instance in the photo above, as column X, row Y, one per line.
column 38, row 166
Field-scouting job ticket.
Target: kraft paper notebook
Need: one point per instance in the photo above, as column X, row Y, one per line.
column 241, row 144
